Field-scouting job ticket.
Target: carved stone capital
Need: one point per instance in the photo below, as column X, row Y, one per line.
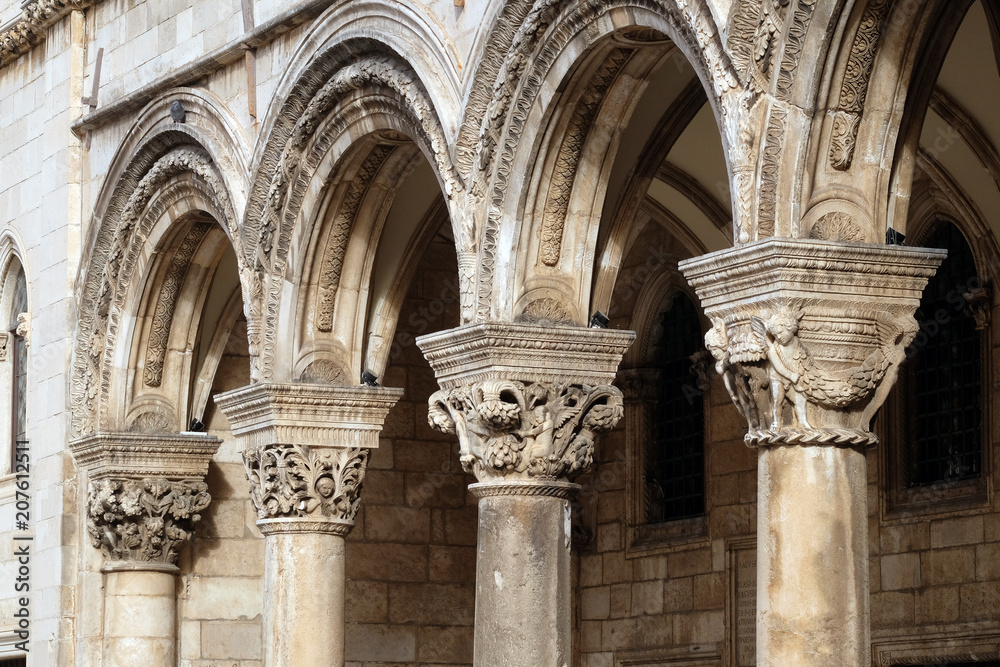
column 144, row 521
column 808, row 335
column 146, row 494
column 525, row 401
column 306, row 448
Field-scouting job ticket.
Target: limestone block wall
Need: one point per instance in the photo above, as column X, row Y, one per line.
column 40, row 217
column 411, row 559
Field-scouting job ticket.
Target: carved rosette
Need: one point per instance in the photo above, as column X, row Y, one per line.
column 145, row 495
column 525, row 401
column 147, row 521
column 808, row 335
column 305, row 449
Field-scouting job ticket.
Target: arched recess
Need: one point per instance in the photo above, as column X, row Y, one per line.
column 880, row 75
column 948, row 170
column 15, row 330
column 356, row 121
column 547, row 169
column 163, row 173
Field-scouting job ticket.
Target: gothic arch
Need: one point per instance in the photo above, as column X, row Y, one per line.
column 161, row 169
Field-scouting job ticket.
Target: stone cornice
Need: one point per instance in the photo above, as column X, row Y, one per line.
column 810, row 269
column 310, row 415
column 137, row 456
column 19, row 37
column 525, row 353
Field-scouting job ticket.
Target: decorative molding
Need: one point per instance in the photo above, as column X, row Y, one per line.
column 854, row 87
column 310, row 415
column 166, row 300
column 525, row 353
column 791, row 54
column 808, row 335
column 943, row 645
column 138, row 456
column 570, row 150
column 36, row 17
column 525, row 401
column 4, row 346
column 145, row 521
column 340, row 231
column 143, row 195
column 769, row 169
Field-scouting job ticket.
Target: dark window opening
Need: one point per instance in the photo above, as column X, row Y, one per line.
column 14, row 662
column 945, row 370
column 17, row 348
column 675, row 465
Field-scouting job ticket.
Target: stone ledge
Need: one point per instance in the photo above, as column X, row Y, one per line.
column 525, row 353
column 176, row 456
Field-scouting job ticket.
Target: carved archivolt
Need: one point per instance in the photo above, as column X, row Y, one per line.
column 336, row 242
column 570, row 151
column 122, row 235
column 303, row 482
column 770, row 167
column 514, row 68
column 512, row 430
column 144, row 521
column 854, row 88
column 166, row 300
column 320, row 109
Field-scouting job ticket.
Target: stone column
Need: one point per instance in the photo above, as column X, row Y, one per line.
column 145, row 496
column 526, row 403
column 305, row 448
column 808, row 337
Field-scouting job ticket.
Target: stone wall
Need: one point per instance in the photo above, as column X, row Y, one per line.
column 411, row 559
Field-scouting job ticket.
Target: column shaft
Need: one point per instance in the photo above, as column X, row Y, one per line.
column 304, row 597
column 812, row 557
column 523, row 597
column 140, row 619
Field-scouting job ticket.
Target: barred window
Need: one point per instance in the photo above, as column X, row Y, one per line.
column 945, row 372
column 675, row 465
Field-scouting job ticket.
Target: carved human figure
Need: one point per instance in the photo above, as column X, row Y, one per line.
column 541, row 433
column 788, row 366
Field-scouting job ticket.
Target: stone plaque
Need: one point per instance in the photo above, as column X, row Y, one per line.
column 743, row 603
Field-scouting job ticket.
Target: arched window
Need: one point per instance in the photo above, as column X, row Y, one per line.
column 946, row 371
column 18, row 353
column 665, row 423
column 675, row 458
column 934, row 423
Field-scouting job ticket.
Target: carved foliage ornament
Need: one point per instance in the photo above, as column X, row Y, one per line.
column 299, row 481
column 143, row 521
column 513, row 430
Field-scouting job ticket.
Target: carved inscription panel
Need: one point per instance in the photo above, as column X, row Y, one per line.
column 743, row 603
